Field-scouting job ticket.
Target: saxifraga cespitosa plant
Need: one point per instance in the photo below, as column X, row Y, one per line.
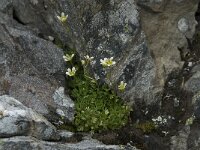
column 97, row 107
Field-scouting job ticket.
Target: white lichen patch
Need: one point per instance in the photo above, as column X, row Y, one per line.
column 124, row 38
column 183, row 25
column 160, row 120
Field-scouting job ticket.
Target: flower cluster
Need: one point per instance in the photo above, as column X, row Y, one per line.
column 106, row 62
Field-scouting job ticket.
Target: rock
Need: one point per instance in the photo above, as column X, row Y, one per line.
column 18, row 120
column 103, row 32
column 179, row 142
column 66, row 135
column 31, row 68
column 65, row 106
column 193, row 85
column 112, row 29
column 30, row 143
column 187, row 139
column 193, row 141
column 166, row 25
column 116, row 28
column 153, row 5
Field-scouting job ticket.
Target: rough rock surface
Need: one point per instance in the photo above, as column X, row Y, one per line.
column 147, row 38
column 18, row 120
column 112, row 29
column 22, row 128
column 166, row 25
column 31, row 67
column 65, row 106
column 30, row 143
column 103, row 29
column 193, row 85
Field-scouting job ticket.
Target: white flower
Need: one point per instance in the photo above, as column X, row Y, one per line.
column 104, row 62
column 71, row 72
column 107, row 62
column 68, row 57
column 83, row 62
column 88, row 58
column 122, row 85
column 159, row 118
column 63, row 17
column 106, row 112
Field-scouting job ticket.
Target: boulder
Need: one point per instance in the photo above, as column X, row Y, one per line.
column 18, row 120
column 31, row 68
column 167, row 26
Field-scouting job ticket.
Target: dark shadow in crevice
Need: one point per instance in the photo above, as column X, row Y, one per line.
column 16, row 18
column 196, row 38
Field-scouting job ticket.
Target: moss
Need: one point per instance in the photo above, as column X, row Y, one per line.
column 146, row 127
column 97, row 107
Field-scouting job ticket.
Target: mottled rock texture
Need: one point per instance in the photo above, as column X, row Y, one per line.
column 18, row 120
column 142, row 36
column 147, row 38
column 166, row 25
column 31, row 67
column 30, row 143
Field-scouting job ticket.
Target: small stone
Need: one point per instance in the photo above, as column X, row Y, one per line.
column 66, row 135
column 183, row 25
column 51, row 38
column 190, row 64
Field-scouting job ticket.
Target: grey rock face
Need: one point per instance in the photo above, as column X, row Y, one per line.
column 31, row 68
column 29, row 143
column 166, row 33
column 65, row 106
column 113, row 30
column 116, row 28
column 153, row 5
column 193, row 85
column 100, row 29
column 179, row 142
column 17, row 120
